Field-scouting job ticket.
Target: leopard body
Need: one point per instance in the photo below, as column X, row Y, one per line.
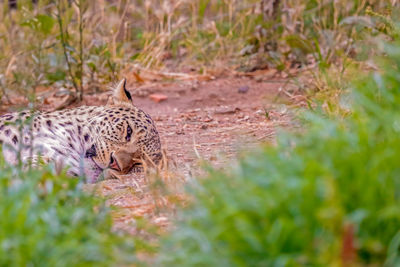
column 86, row 140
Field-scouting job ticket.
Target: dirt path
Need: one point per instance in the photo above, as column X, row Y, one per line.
column 212, row 120
column 214, row 117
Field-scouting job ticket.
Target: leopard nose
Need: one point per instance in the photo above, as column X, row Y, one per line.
column 113, row 163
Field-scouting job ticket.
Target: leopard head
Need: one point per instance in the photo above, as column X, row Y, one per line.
column 124, row 135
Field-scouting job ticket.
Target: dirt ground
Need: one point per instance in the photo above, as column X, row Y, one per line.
column 209, row 120
column 219, row 116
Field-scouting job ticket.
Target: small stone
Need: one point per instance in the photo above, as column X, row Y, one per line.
column 158, row 97
column 203, row 126
column 180, row 131
column 259, row 79
column 226, row 110
column 244, row 118
column 161, row 220
column 243, row 89
column 260, row 112
column 208, row 119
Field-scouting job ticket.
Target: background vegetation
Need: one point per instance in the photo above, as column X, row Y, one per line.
column 329, row 195
column 86, row 44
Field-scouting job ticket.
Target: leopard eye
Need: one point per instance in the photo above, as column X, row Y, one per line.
column 128, row 133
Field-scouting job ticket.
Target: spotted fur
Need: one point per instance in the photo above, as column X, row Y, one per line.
column 87, row 139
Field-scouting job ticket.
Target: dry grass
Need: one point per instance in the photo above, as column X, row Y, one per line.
column 101, row 38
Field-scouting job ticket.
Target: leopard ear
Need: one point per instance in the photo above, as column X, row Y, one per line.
column 120, row 94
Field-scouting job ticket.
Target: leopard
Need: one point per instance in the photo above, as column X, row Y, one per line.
column 95, row 142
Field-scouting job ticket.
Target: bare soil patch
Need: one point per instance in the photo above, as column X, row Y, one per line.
column 209, row 120
column 197, row 120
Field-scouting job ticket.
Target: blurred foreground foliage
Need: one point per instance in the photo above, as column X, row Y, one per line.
column 327, row 196
column 49, row 220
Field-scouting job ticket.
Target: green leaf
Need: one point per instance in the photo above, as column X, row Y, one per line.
column 45, row 23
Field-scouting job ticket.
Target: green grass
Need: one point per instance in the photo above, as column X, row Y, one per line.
column 49, row 220
column 328, row 196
